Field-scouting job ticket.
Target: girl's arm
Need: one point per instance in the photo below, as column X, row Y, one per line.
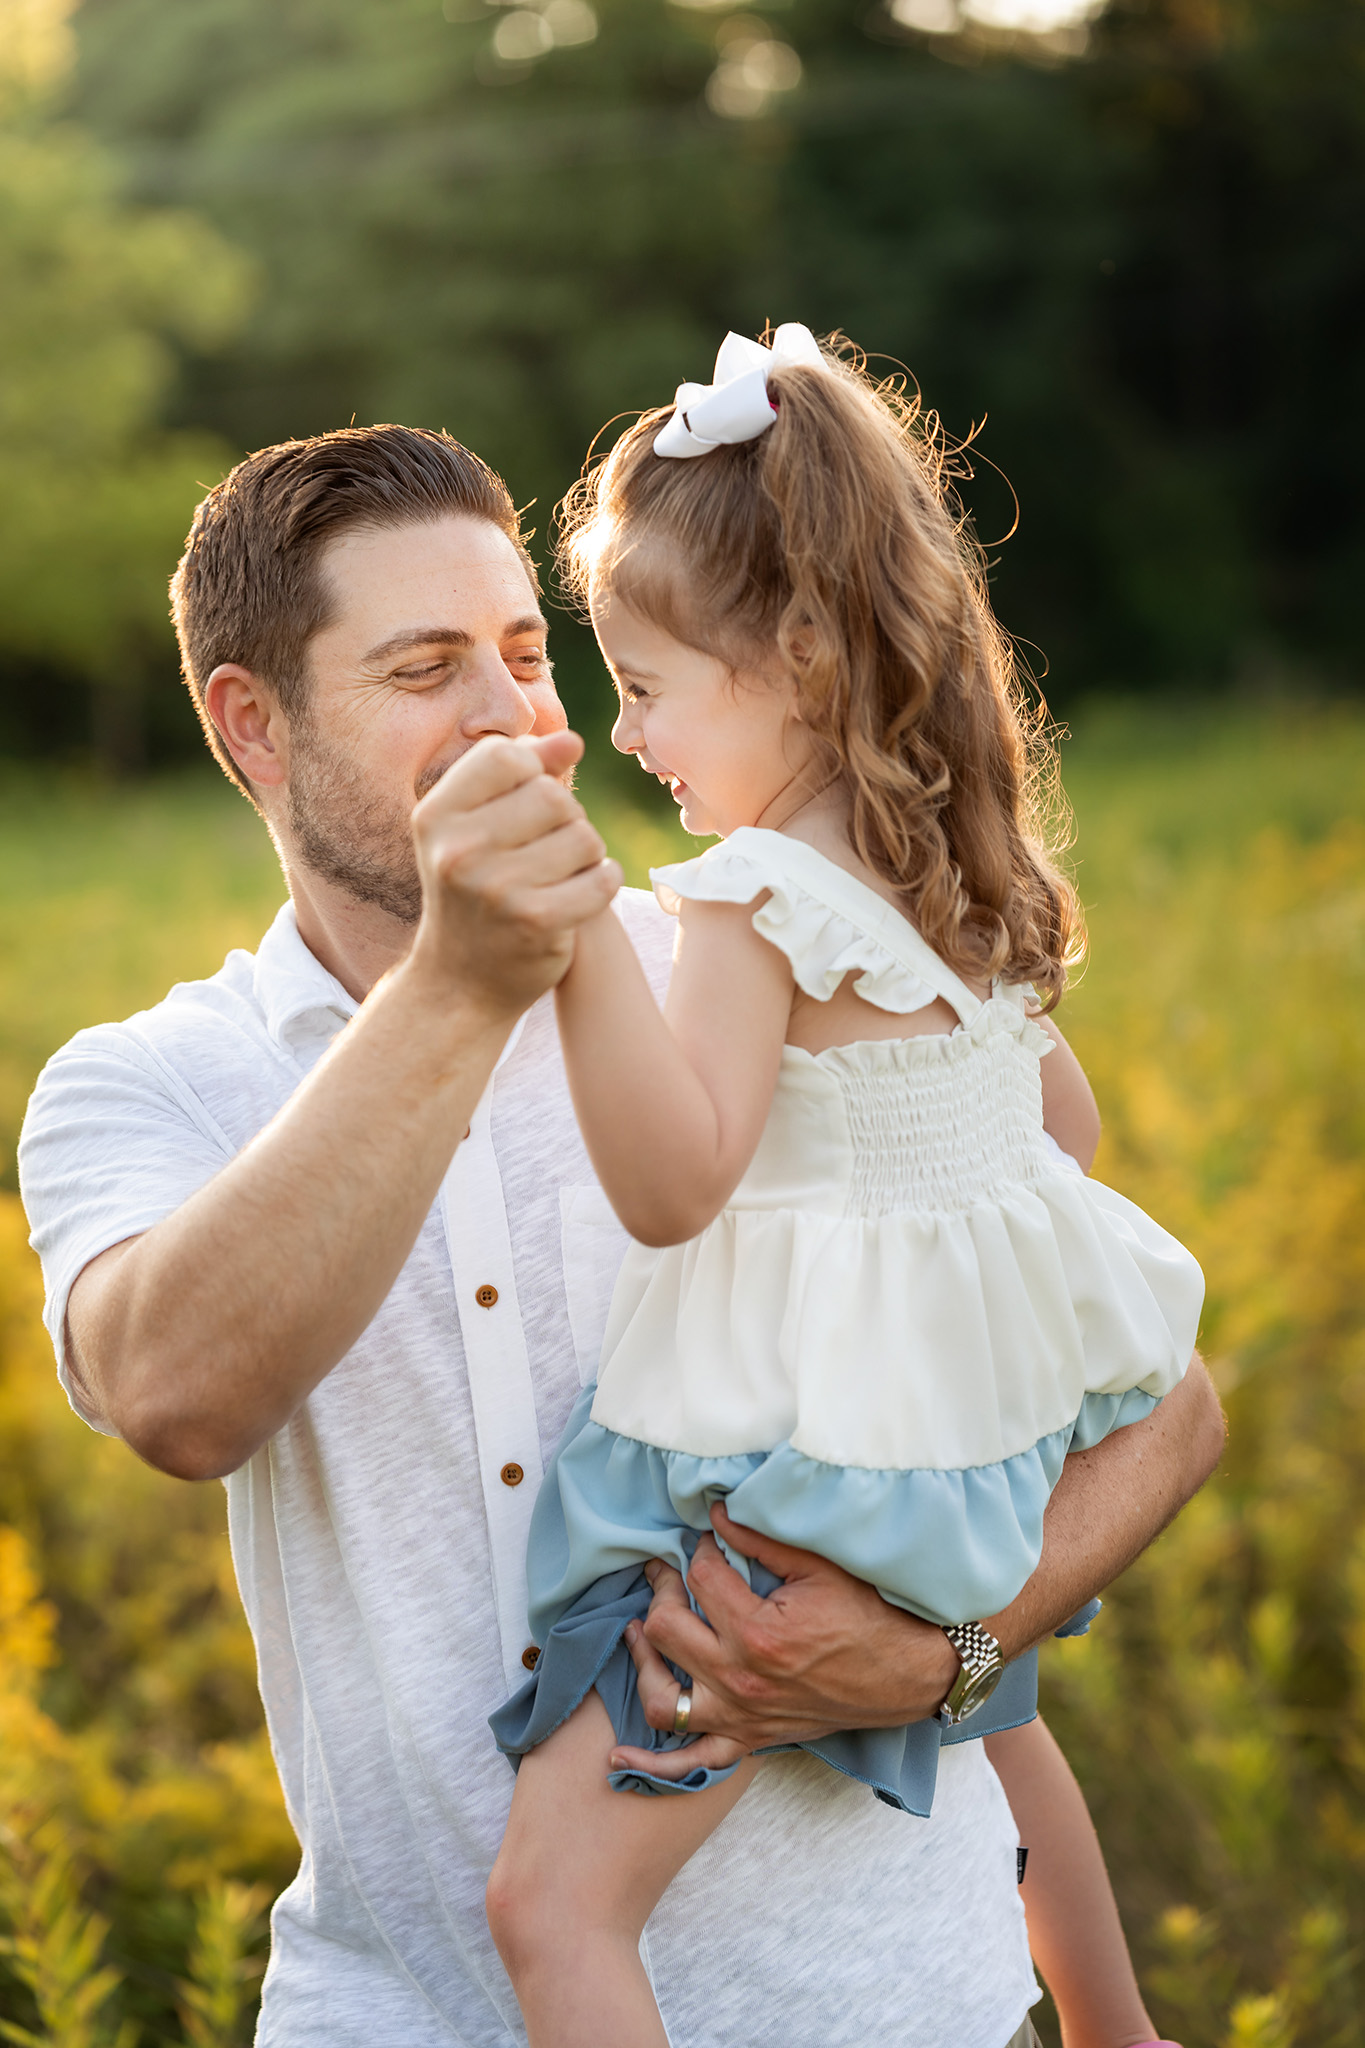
column 1074, row 1929
column 672, row 1103
column 1070, row 1113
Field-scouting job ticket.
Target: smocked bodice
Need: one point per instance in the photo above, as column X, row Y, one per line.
column 906, row 1126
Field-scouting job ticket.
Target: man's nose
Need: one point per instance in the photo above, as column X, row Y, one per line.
column 495, row 702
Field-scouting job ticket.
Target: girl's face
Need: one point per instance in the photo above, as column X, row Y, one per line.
column 729, row 745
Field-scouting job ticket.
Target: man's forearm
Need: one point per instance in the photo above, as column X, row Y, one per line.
column 198, row 1340
column 1110, row 1503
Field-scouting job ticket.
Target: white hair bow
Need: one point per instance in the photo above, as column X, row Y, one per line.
column 735, row 405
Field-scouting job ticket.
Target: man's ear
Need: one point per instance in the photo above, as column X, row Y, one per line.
column 247, row 716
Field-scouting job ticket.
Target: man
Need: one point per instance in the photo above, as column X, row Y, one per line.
column 323, row 1224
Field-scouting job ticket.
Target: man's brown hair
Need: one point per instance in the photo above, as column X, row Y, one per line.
column 249, row 587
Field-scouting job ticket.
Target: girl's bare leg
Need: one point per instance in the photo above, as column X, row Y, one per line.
column 1074, row 1929
column 580, row 1870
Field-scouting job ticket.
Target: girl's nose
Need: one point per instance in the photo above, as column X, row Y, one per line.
column 624, row 737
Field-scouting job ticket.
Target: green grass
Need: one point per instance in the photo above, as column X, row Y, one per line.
column 110, row 895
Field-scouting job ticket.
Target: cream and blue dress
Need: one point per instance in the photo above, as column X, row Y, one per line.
column 911, row 1309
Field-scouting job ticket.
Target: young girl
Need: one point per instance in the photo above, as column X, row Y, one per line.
column 870, row 1306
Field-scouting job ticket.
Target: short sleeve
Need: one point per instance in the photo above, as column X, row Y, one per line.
column 821, row 938
column 113, row 1142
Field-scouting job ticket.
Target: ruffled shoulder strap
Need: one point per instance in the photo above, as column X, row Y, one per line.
column 826, row 922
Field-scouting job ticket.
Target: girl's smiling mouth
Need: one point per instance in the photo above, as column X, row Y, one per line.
column 673, row 783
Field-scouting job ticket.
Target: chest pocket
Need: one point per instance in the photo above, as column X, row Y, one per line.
column 594, row 1245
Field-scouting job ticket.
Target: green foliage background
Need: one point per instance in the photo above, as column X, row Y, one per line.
column 1132, row 250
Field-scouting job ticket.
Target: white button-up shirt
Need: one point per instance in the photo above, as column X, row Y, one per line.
column 379, row 1541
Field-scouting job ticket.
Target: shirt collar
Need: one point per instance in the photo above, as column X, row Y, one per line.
column 300, row 1000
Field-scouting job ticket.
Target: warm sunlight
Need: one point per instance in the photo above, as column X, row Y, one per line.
column 1028, row 17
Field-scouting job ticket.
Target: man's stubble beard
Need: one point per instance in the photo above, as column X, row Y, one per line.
column 345, row 833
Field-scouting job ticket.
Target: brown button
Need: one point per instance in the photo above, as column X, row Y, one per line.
column 485, row 1296
column 511, row 1475
column 530, row 1657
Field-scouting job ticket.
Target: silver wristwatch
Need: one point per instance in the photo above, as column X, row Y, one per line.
column 982, row 1668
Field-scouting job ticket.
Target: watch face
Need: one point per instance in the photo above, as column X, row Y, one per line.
column 980, row 1690
column 974, row 1692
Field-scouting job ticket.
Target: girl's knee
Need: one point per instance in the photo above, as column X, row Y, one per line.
column 531, row 1911
column 512, row 1906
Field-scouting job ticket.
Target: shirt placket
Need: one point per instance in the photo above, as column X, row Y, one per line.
column 499, row 1369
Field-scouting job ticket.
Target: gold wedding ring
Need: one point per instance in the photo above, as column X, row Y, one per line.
column 682, row 1713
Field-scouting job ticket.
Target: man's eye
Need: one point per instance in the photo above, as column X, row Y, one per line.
column 426, row 674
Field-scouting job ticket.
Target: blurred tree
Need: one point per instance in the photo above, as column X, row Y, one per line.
column 1130, row 246
column 514, row 247
column 1140, row 260
column 95, row 494
column 1236, row 308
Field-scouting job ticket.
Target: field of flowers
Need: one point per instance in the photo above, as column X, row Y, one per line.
column 1216, row 1714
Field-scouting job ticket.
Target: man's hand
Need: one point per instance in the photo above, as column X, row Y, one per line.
column 510, row 865
column 825, row 1651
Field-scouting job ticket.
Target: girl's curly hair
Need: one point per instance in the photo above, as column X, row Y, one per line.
column 837, row 540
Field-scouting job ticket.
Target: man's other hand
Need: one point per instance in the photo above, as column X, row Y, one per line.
column 823, row 1651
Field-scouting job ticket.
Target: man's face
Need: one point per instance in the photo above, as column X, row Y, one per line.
column 438, row 639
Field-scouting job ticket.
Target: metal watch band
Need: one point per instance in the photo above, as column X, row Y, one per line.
column 982, row 1665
